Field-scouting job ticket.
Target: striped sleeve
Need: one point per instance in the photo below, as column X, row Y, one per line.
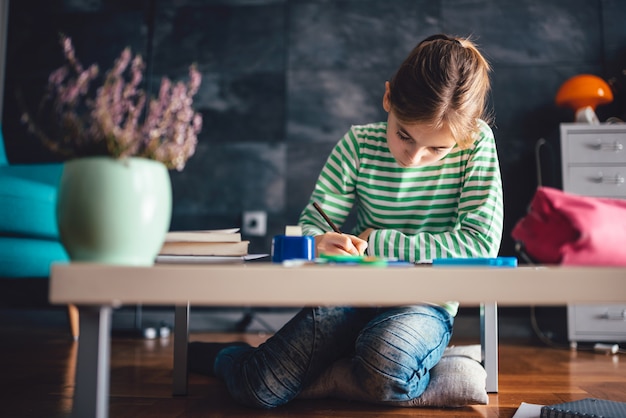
column 335, row 190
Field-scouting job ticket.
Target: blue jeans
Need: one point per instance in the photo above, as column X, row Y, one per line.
column 392, row 352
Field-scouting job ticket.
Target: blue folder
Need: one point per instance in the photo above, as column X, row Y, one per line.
column 476, row 262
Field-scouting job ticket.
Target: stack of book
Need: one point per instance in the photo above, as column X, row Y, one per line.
column 218, row 244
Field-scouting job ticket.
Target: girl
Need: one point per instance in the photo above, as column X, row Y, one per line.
column 426, row 184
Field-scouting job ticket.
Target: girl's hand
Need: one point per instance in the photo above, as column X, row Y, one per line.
column 333, row 243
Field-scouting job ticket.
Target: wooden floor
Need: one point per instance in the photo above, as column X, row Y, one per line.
column 37, row 380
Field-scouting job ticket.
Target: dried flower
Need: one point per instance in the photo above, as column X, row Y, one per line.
column 116, row 121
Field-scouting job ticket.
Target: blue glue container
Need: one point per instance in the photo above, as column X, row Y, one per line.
column 286, row 247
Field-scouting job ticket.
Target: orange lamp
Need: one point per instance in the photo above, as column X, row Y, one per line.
column 584, row 90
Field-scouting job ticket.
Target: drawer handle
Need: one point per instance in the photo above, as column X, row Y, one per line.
column 614, row 316
column 616, row 180
column 611, row 147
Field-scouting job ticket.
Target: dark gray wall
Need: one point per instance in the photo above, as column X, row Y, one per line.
column 284, row 79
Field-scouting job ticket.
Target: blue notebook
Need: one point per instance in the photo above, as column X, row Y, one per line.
column 588, row 407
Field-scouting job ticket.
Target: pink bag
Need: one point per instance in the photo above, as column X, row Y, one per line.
column 564, row 228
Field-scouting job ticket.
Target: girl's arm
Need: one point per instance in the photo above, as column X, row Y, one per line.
column 335, row 188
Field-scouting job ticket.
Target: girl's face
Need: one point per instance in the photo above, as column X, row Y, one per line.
column 415, row 144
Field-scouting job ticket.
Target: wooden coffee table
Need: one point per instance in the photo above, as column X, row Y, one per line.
column 97, row 289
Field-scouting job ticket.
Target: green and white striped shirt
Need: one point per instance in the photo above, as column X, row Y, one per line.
column 452, row 208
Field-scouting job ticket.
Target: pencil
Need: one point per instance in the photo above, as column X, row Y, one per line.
column 326, row 218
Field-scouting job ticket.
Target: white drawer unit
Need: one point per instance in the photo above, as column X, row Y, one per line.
column 594, row 159
column 594, row 164
column 596, row 323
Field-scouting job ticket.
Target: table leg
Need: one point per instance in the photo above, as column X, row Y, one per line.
column 91, row 388
column 181, row 338
column 489, row 343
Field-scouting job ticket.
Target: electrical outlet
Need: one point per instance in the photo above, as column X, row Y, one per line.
column 254, row 223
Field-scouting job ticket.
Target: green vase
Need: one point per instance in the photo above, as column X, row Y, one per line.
column 114, row 211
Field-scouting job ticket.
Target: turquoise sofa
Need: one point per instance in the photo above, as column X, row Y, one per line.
column 29, row 238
